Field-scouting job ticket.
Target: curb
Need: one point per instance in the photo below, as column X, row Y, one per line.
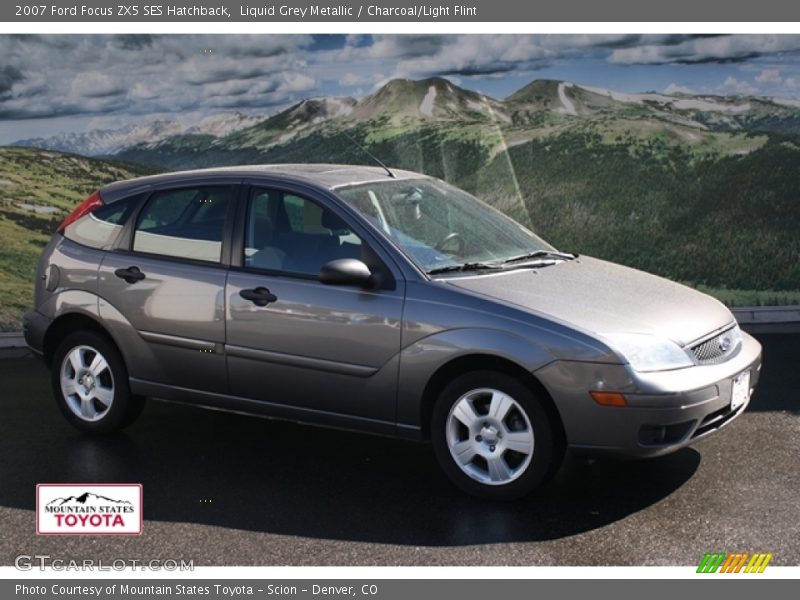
column 14, row 339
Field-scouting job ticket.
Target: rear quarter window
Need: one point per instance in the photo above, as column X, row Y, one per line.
column 184, row 223
column 100, row 229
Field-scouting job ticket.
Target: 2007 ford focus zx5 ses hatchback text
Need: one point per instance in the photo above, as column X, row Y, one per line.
column 389, row 302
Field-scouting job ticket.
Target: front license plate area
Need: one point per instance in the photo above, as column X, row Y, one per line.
column 741, row 390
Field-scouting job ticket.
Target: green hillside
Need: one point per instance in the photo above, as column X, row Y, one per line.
column 720, row 221
column 37, row 190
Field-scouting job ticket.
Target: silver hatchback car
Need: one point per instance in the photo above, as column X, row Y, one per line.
column 383, row 301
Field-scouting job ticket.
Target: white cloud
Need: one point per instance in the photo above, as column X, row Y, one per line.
column 738, row 87
column 297, row 82
column 351, row 79
column 793, row 83
column 706, row 49
column 769, row 76
column 414, row 56
column 94, row 84
column 675, row 88
column 47, row 76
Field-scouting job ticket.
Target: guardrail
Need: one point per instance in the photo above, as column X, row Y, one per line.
column 768, row 319
column 766, row 314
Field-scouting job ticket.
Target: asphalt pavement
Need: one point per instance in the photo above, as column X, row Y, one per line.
column 227, row 489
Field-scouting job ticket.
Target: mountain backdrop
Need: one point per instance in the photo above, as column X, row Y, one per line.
column 701, row 189
column 99, row 142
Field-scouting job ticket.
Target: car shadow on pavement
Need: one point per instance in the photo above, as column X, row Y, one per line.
column 233, row 471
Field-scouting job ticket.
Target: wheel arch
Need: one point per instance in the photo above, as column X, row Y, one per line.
column 482, row 362
column 69, row 323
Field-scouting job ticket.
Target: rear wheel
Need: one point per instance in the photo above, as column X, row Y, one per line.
column 492, row 436
column 90, row 384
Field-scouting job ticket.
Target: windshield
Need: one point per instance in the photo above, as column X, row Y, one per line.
column 439, row 225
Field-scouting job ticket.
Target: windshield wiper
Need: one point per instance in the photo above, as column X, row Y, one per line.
column 469, row 266
column 553, row 255
column 540, row 254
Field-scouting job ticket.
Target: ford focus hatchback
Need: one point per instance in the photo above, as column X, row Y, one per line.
column 387, row 302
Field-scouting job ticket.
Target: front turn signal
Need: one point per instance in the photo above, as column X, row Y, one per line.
column 609, row 398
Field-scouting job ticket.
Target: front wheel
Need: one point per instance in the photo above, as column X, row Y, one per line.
column 492, row 436
column 90, row 384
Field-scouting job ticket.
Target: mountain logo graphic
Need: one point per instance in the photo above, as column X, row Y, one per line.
column 87, row 498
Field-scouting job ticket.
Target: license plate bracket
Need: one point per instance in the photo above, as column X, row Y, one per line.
column 740, row 390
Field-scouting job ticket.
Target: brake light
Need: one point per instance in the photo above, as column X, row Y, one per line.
column 89, row 205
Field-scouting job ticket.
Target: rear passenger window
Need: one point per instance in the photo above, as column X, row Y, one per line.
column 184, row 223
column 100, row 228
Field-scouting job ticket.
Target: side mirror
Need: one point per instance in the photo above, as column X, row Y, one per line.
column 347, row 271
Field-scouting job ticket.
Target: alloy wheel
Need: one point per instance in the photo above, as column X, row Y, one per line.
column 490, row 436
column 87, row 383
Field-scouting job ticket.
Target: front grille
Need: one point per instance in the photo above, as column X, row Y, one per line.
column 715, row 420
column 718, row 348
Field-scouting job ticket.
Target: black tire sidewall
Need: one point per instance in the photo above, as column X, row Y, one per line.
column 544, row 453
column 120, row 412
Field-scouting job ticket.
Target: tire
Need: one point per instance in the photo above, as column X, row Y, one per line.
column 506, row 440
column 90, row 384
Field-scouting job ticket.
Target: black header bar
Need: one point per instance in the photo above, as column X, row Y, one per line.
column 255, row 11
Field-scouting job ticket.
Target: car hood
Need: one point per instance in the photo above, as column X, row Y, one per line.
column 603, row 297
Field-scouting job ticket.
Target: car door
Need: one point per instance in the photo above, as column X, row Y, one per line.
column 168, row 282
column 308, row 345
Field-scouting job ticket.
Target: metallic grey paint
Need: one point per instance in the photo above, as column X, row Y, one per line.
column 598, row 296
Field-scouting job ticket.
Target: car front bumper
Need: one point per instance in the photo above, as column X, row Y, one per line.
column 665, row 410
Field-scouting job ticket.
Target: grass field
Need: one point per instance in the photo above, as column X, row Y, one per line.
column 37, row 190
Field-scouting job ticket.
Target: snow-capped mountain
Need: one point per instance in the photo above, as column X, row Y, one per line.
column 402, row 107
column 433, row 99
column 106, row 142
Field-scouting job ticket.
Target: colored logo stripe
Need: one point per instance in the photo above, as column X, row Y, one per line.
column 734, row 562
column 711, row 562
column 758, row 563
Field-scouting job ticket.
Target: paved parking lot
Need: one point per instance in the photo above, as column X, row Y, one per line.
column 226, row 489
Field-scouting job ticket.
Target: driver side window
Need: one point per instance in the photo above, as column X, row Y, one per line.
column 291, row 234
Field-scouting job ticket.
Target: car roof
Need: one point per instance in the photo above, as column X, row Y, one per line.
column 330, row 176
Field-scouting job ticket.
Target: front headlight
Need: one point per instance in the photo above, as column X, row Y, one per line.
column 649, row 352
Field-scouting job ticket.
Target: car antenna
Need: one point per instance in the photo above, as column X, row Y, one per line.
column 355, row 143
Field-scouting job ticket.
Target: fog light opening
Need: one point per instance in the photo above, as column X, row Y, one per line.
column 609, row 398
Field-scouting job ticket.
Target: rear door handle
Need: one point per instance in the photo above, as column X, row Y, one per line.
column 260, row 296
column 131, row 274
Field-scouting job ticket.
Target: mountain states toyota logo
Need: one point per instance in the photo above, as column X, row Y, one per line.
column 90, row 509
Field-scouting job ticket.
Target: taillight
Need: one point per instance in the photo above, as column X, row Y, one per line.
column 90, row 204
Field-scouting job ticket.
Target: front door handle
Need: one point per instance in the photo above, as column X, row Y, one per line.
column 260, row 296
column 131, row 274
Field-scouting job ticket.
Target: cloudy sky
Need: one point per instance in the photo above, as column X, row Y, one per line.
column 51, row 84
